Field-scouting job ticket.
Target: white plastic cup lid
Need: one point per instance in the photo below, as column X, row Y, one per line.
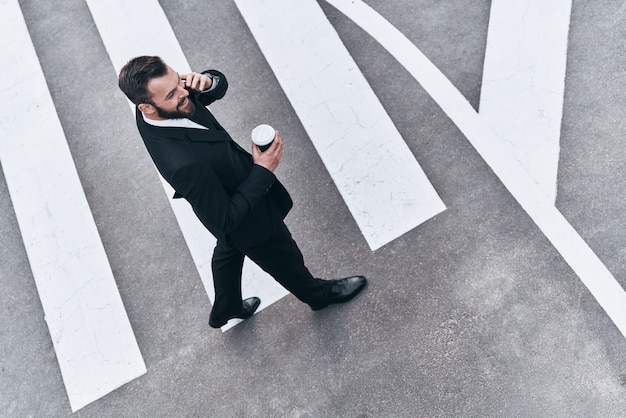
column 263, row 135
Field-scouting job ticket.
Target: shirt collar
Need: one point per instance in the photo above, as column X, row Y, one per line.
column 174, row 123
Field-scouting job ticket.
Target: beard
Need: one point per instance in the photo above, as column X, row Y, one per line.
column 178, row 113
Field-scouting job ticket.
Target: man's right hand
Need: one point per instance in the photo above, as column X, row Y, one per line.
column 271, row 157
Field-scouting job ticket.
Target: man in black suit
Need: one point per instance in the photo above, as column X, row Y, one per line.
column 235, row 195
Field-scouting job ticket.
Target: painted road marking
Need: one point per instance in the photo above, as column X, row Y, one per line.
column 382, row 184
column 130, row 29
column 501, row 157
column 523, row 82
column 93, row 340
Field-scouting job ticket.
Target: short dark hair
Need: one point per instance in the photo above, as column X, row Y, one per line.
column 135, row 75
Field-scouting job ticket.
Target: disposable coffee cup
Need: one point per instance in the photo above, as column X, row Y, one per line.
column 263, row 136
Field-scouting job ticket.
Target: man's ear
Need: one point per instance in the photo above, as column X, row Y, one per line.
column 146, row 108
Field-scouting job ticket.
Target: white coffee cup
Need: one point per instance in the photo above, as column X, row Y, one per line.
column 262, row 136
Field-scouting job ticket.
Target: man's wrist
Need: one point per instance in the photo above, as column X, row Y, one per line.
column 214, row 80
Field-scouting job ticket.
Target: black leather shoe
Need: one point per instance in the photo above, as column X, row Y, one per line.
column 248, row 307
column 342, row 290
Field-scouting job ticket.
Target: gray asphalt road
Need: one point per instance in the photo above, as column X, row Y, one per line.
column 473, row 313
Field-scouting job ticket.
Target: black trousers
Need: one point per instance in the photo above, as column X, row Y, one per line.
column 280, row 257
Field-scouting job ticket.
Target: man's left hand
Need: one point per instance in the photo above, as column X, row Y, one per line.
column 271, row 157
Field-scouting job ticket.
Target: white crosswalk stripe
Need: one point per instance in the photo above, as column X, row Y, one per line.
column 94, row 343
column 384, row 187
column 521, row 97
column 118, row 24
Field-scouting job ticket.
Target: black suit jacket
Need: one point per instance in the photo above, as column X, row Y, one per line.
column 236, row 200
